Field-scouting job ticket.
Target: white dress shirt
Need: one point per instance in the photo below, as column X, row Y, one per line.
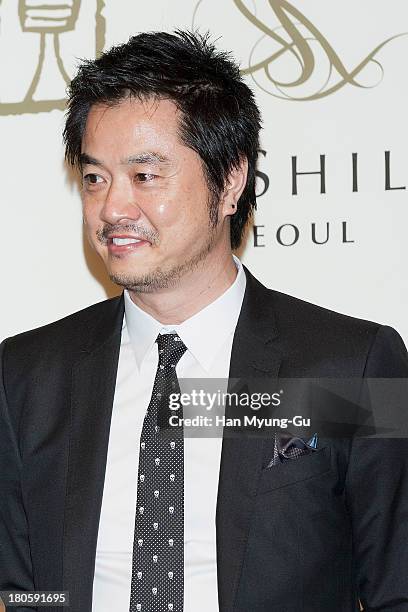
column 208, row 336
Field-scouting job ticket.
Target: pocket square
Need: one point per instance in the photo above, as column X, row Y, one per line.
column 287, row 447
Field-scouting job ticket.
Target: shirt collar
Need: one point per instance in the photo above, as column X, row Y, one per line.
column 203, row 334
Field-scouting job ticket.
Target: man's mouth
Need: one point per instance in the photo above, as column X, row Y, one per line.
column 118, row 245
column 123, row 241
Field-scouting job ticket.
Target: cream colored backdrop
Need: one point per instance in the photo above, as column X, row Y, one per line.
column 332, row 82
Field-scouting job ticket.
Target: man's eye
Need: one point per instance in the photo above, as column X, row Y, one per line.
column 92, row 179
column 143, row 177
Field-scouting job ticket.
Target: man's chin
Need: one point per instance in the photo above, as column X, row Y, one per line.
column 149, row 282
column 160, row 277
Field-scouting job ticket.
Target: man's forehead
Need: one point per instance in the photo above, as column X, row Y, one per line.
column 148, row 127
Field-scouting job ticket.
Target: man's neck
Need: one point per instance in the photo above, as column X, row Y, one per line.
column 193, row 292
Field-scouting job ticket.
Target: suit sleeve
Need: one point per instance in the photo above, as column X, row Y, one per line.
column 15, row 561
column 377, row 496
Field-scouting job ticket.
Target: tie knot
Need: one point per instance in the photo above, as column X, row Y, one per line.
column 171, row 349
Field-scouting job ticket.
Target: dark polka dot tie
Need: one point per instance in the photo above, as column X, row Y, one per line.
column 158, row 547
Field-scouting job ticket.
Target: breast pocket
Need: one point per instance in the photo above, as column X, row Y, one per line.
column 295, row 470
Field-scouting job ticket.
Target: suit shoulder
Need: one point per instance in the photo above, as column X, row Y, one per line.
column 66, row 331
column 298, row 315
column 291, row 310
column 326, row 336
column 341, row 342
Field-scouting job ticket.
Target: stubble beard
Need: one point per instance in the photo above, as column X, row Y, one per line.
column 162, row 278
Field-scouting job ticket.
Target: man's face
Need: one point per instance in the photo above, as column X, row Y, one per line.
column 145, row 197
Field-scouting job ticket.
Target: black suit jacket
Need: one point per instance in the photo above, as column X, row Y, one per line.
column 314, row 534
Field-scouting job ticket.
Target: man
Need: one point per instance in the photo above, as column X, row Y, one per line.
column 95, row 499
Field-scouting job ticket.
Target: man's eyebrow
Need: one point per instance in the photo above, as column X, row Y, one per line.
column 147, row 158
column 85, row 159
column 141, row 158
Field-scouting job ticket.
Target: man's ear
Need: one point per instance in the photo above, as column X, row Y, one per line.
column 233, row 189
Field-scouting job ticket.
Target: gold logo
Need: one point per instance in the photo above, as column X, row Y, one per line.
column 35, row 36
column 295, row 61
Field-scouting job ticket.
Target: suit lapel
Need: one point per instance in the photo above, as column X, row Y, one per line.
column 93, row 387
column 253, row 356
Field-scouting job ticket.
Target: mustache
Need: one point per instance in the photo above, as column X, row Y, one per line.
column 104, row 233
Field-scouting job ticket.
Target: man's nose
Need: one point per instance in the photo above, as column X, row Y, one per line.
column 120, row 203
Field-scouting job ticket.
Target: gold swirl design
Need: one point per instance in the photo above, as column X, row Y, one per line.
column 299, row 46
